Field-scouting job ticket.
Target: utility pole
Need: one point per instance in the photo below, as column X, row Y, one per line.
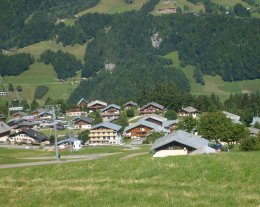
column 54, row 108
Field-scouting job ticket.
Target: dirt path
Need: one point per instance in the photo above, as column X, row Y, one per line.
column 133, row 155
column 76, row 158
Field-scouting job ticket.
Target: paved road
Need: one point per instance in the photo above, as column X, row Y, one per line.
column 80, row 158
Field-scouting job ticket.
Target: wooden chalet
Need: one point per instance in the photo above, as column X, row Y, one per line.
column 18, row 114
column 96, row 105
column 110, row 112
column 152, row 108
column 83, row 123
column 74, row 111
column 82, row 103
column 189, row 111
column 130, row 104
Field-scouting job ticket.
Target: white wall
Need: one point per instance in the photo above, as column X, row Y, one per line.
column 166, row 153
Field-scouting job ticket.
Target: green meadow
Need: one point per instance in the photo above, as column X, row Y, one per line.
column 226, row 179
column 214, row 84
column 113, row 6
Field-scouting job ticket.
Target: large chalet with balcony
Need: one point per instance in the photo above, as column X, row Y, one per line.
column 96, row 105
column 152, row 108
column 74, row 111
column 105, row 133
column 111, row 112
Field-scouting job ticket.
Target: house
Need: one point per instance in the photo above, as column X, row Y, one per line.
column 180, row 143
column 142, row 128
column 130, row 104
column 29, row 136
column 74, row 143
column 96, row 105
column 189, row 111
column 74, row 111
column 105, row 133
column 255, row 121
column 37, row 112
column 170, row 124
column 18, row 114
column 234, row 118
column 82, row 103
column 152, row 108
column 110, row 112
column 83, row 123
column 5, row 131
column 46, row 115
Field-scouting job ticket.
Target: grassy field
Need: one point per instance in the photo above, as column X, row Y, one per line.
column 113, row 6
column 180, row 3
column 230, row 3
column 228, row 179
column 214, row 84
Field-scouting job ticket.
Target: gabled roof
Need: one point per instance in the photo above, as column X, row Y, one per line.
column 153, row 104
column 148, row 124
column 4, row 127
column 107, row 125
column 181, row 137
column 231, row 116
column 34, row 134
column 84, row 119
column 81, row 100
column 39, row 110
column 170, row 122
column 46, row 112
column 68, row 140
column 92, row 103
column 111, row 106
column 155, row 117
column 255, row 119
column 190, row 109
column 21, row 113
column 130, row 103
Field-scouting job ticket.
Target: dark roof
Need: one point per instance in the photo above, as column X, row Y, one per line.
column 107, row 125
column 181, row 137
column 84, row 119
column 153, row 104
column 4, row 127
column 148, row 124
column 111, row 106
column 131, row 103
column 82, row 100
column 34, row 134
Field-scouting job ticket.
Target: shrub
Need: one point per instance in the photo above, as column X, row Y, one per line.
column 40, row 91
column 130, row 112
column 170, row 114
column 250, row 144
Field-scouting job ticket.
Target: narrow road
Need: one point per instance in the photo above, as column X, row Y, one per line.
column 80, row 158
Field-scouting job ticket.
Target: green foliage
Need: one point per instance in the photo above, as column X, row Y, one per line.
column 257, row 125
column 241, row 11
column 84, row 136
column 122, row 120
column 188, row 124
column 198, row 76
column 34, row 105
column 10, row 87
column 40, row 91
column 250, row 144
column 97, row 117
column 64, row 63
column 19, row 89
column 170, row 114
column 15, row 64
column 130, row 112
column 152, row 137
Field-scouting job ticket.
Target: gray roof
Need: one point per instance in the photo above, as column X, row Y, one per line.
column 21, row 113
column 111, row 106
column 190, row 109
column 203, row 150
column 84, row 119
column 68, row 140
column 153, row 104
column 155, row 117
column 34, row 134
column 130, row 103
column 181, row 137
column 4, row 127
column 235, row 118
column 170, row 122
column 255, row 119
column 97, row 102
column 46, row 112
column 82, row 99
column 107, row 125
column 153, row 126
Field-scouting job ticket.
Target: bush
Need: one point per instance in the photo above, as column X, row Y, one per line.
column 170, row 114
column 40, row 91
column 250, row 144
column 130, row 112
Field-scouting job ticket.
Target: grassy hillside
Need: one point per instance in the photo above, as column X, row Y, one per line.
column 227, row 179
column 113, row 6
column 214, row 84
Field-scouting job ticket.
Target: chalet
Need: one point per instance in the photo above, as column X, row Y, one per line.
column 152, row 108
column 155, row 119
column 46, row 115
column 105, row 133
column 256, row 120
column 130, row 104
column 180, row 143
column 29, row 136
column 37, row 112
column 82, row 103
column 142, row 128
column 110, row 112
column 74, row 143
column 234, row 118
column 189, row 111
column 18, row 114
column 96, row 105
column 74, row 111
column 83, row 123
column 5, row 131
